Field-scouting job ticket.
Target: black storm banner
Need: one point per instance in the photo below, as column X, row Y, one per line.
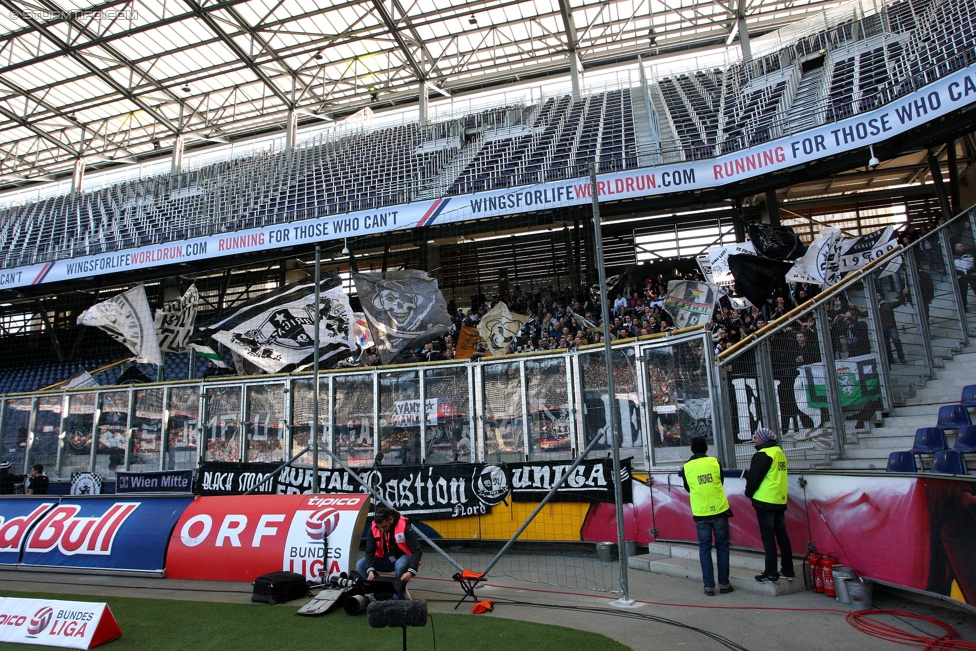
column 431, row 492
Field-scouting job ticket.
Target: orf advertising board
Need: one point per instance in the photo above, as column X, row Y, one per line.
column 70, row 624
column 239, row 538
column 104, row 533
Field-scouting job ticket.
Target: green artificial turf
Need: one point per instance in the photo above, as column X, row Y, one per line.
column 161, row 624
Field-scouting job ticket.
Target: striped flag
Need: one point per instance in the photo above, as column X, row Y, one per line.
column 175, row 321
column 208, row 354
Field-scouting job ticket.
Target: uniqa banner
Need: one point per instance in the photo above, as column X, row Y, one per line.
column 930, row 103
column 430, row 492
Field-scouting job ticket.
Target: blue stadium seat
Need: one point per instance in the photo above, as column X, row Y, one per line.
column 968, row 398
column 966, row 439
column 953, row 417
column 901, row 462
column 949, row 462
column 928, row 440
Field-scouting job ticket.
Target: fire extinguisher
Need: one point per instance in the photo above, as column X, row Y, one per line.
column 827, row 569
column 810, row 569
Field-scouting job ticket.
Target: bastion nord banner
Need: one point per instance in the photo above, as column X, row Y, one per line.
column 429, row 492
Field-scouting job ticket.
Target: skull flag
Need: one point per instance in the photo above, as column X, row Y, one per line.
column 499, row 327
column 404, row 309
column 276, row 331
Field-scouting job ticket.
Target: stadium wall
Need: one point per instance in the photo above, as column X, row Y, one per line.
column 912, row 532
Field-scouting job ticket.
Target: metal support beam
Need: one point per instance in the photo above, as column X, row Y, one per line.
column 78, row 176
column 422, row 103
column 291, row 129
column 177, row 164
column 740, row 20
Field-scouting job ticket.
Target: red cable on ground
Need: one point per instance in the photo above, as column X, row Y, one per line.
column 866, row 622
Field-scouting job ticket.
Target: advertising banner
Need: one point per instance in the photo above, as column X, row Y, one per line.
column 102, row 533
column 932, row 102
column 17, row 517
column 240, row 538
column 158, row 481
column 430, row 492
column 52, row 622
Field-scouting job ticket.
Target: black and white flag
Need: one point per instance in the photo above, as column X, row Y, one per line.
column 859, row 251
column 776, row 242
column 175, row 321
column 127, row 319
column 690, row 302
column 718, row 260
column 499, row 327
column 276, row 331
column 819, row 265
column 756, row 278
column 404, row 309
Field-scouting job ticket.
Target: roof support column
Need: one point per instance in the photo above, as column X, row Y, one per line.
column 772, row 208
column 291, row 129
column 177, row 165
column 744, row 37
column 78, row 176
column 422, row 103
column 575, row 71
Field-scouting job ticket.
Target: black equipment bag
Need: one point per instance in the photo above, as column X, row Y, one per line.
column 279, row 587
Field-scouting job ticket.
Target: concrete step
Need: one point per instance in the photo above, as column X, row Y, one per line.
column 682, row 561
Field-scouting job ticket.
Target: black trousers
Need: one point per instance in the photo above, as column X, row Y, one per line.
column 772, row 531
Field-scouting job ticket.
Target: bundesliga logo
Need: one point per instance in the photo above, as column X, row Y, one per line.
column 321, row 523
column 40, row 620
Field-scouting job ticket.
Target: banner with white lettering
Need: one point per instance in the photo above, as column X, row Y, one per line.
column 127, row 533
column 157, row 481
column 53, row 622
column 430, row 492
column 930, row 103
column 239, row 539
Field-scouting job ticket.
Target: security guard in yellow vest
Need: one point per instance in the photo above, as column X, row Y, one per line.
column 710, row 509
column 766, row 484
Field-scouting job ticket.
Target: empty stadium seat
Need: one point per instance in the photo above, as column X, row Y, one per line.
column 966, row 439
column 968, row 397
column 928, row 440
column 903, row 461
column 949, row 462
column 953, row 417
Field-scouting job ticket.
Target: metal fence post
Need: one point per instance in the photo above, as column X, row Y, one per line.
column 830, row 377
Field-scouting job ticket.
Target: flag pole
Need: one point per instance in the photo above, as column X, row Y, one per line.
column 613, row 420
column 314, row 443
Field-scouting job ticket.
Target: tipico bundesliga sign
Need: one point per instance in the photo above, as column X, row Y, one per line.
column 50, row 622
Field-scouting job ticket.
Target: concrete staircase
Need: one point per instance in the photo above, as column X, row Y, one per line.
column 803, row 112
column 681, row 560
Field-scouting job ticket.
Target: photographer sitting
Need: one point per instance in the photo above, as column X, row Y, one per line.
column 392, row 546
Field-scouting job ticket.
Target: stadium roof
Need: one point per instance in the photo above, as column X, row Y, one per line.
column 117, row 81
